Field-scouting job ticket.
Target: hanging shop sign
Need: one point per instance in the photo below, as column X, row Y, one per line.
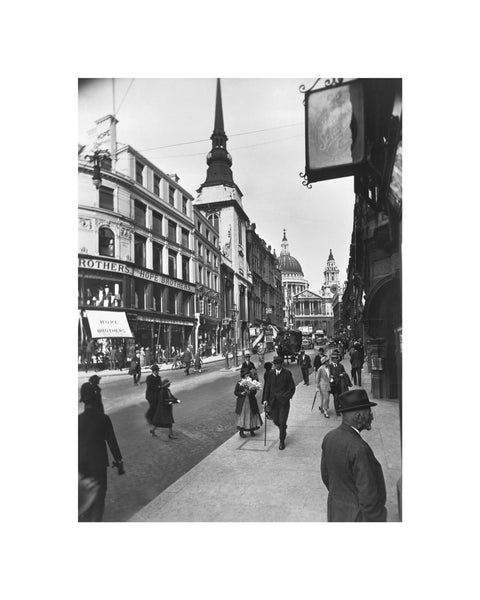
column 335, row 130
column 157, row 278
column 108, row 324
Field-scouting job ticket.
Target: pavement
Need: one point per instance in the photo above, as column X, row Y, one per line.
column 219, row 360
column 246, row 480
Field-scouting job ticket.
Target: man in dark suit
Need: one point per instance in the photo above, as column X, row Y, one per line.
column 317, row 361
column 350, row 471
column 248, row 364
column 95, row 431
column 279, row 389
column 305, row 366
column 152, row 394
column 339, row 379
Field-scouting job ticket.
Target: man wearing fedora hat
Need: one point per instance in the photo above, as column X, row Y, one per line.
column 279, row 389
column 350, row 471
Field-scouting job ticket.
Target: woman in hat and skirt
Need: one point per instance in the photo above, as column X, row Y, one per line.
column 163, row 416
column 248, row 415
column 322, row 381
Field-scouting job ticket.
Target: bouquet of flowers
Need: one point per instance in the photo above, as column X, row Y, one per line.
column 250, row 385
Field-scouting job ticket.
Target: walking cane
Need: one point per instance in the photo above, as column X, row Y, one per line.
column 265, row 432
column 314, row 398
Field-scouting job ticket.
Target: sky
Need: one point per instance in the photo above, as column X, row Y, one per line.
column 167, row 119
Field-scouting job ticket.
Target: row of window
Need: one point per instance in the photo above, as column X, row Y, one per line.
column 208, row 308
column 139, row 178
column 207, row 254
column 205, row 278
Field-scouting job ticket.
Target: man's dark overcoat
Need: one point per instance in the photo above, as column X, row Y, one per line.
column 353, row 477
column 152, row 394
column 95, row 431
column 278, row 391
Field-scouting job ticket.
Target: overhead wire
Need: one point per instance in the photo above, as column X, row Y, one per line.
column 124, row 96
column 229, row 136
column 230, row 150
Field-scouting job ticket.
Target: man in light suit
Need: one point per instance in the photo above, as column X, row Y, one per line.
column 350, row 471
column 279, row 389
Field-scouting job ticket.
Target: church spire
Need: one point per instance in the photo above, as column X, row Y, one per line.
column 219, row 161
column 284, row 251
column 330, row 257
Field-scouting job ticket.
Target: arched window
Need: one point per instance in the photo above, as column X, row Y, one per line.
column 106, row 242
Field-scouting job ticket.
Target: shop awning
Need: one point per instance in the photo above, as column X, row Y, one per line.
column 108, row 324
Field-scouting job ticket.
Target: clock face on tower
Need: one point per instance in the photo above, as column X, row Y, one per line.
column 333, row 289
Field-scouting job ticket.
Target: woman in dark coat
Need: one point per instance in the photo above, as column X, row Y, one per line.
column 163, row 416
column 248, row 415
column 152, row 394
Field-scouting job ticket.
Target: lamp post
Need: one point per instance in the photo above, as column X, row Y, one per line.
column 97, row 158
column 234, row 323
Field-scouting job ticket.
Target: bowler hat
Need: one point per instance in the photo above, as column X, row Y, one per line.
column 155, row 368
column 277, row 360
column 323, row 360
column 94, row 379
column 353, row 400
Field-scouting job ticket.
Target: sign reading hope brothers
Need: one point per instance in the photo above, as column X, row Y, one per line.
column 114, row 267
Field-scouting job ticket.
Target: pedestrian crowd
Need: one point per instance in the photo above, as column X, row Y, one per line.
column 349, row 469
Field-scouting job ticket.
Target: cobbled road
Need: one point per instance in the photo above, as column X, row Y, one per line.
column 203, row 421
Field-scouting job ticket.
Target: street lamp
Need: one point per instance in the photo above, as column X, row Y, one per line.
column 234, row 313
column 97, row 158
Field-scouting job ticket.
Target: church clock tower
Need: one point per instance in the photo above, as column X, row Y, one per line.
column 220, row 196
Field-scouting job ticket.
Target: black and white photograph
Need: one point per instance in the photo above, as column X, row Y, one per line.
column 235, row 341
column 240, row 300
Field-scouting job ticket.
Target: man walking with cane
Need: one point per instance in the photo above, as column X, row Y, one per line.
column 279, row 389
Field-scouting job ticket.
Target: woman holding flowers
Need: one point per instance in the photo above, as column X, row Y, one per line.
column 248, row 415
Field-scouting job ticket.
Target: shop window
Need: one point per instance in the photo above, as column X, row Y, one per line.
column 172, row 263
column 157, row 221
column 156, row 185
column 139, row 258
column 139, row 291
column 185, row 237
column 106, row 242
column 184, row 205
column 106, row 198
column 157, row 257
column 187, row 300
column 98, row 292
column 171, row 301
column 157, row 297
column 172, row 231
column 185, row 269
column 140, row 213
column 171, row 195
